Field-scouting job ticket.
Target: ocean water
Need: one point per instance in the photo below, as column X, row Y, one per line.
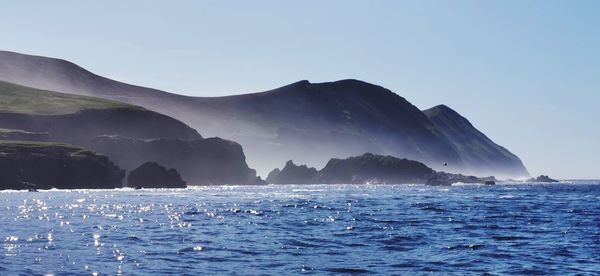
column 313, row 229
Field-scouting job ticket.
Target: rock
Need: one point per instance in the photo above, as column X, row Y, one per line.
column 444, row 178
column 542, row 178
column 490, row 182
column 42, row 165
column 153, row 175
column 370, row 169
column 292, row 174
column 373, row 168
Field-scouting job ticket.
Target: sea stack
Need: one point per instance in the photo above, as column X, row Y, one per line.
column 153, row 175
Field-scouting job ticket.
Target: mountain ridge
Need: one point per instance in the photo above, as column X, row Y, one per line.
column 304, row 121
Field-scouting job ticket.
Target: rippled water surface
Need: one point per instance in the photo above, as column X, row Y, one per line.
column 290, row 229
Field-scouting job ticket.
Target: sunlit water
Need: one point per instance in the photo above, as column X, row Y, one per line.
column 291, row 229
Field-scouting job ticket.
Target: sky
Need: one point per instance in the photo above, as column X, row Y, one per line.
column 526, row 73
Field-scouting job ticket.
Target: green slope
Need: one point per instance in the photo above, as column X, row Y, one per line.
column 8, row 147
column 25, row 100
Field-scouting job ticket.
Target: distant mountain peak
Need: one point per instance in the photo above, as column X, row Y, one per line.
column 289, row 163
column 300, row 83
column 443, row 108
column 351, row 82
column 444, row 111
column 342, row 84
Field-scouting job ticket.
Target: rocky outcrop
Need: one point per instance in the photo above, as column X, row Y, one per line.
column 153, row 175
column 211, row 161
column 293, row 174
column 37, row 165
column 374, row 168
column 369, row 168
column 542, row 178
column 447, row 179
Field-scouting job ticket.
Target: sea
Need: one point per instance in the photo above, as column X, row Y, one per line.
column 512, row 228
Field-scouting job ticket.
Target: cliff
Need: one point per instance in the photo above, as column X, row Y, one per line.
column 211, row 161
column 38, row 165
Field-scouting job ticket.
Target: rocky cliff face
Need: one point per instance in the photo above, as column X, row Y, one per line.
column 211, row 161
column 37, row 165
column 369, row 168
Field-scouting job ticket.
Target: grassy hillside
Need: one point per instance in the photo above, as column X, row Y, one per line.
column 8, row 147
column 25, row 100
column 14, row 131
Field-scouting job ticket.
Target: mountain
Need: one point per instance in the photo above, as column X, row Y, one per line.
column 114, row 128
column 307, row 122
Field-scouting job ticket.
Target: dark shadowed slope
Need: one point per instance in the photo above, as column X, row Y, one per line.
column 307, row 122
column 42, row 165
column 478, row 153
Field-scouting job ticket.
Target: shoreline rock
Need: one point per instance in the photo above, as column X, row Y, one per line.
column 292, row 174
column 543, row 178
column 153, row 175
column 42, row 165
column 372, row 169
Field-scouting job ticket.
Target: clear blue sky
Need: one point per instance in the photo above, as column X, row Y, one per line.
column 526, row 73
